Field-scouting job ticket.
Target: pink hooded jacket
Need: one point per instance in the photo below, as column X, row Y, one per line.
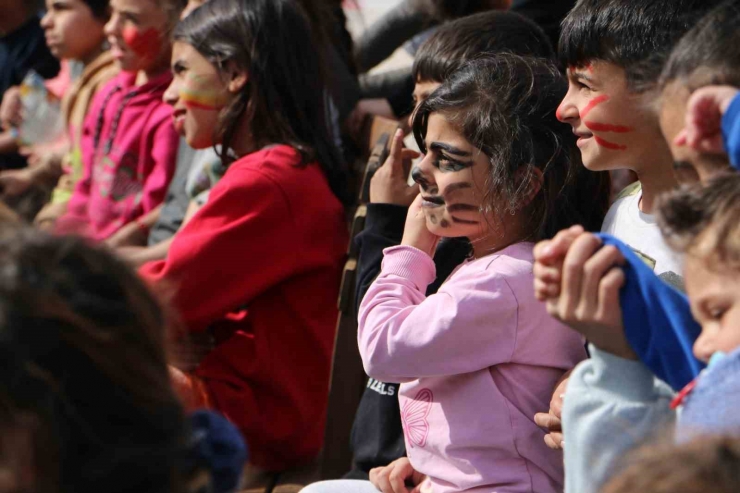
column 129, row 151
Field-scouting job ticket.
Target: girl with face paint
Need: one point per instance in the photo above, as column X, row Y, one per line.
column 482, row 350
column 257, row 268
column 129, row 145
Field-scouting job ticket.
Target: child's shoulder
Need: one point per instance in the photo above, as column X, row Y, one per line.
column 514, row 261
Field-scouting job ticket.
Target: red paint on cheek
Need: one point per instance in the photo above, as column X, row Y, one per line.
column 609, row 145
column 145, row 44
column 593, row 104
column 606, row 127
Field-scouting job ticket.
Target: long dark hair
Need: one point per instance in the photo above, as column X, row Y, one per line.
column 505, row 106
column 284, row 98
column 85, row 395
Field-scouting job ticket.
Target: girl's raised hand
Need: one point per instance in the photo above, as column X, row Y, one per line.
column 704, row 113
column 416, row 233
column 389, row 183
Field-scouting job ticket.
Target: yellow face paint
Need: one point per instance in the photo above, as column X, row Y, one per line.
column 198, row 92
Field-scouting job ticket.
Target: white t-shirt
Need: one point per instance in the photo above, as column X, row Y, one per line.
column 629, row 224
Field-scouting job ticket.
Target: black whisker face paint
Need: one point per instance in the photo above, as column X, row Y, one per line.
column 454, row 187
column 444, row 223
column 433, row 218
column 462, row 221
column 462, row 208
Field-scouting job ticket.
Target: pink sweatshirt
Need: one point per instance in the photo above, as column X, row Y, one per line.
column 128, row 157
column 476, row 362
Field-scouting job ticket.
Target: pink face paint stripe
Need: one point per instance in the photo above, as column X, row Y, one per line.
column 609, row 145
column 606, row 127
column 593, row 104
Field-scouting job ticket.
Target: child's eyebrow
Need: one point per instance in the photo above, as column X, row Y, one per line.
column 581, row 75
column 437, row 146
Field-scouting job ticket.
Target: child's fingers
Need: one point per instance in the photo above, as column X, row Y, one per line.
column 593, row 271
column 582, row 249
column 401, row 472
column 555, row 249
column 546, row 291
column 409, row 154
column 554, row 441
column 547, row 421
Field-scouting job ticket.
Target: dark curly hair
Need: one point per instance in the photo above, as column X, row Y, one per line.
column 505, row 106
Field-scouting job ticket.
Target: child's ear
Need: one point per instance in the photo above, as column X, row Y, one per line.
column 237, row 78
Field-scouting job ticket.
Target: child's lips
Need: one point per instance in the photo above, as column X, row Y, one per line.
column 432, row 202
column 178, row 120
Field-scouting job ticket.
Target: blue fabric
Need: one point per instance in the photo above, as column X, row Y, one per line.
column 218, row 447
column 657, row 321
column 712, row 407
column 731, row 131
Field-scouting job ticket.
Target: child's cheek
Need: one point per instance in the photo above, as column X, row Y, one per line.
column 197, row 93
column 146, row 44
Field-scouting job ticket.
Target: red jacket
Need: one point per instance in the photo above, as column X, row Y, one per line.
column 259, row 265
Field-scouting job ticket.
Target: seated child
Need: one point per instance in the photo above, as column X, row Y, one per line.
column 377, row 436
column 74, row 33
column 129, row 145
column 257, row 269
column 616, row 399
column 476, row 359
column 610, row 48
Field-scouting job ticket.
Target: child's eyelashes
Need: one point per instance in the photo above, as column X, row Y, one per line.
column 445, row 163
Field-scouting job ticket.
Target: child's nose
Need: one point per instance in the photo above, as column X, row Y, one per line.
column 567, row 110
column 171, row 95
column 423, row 173
column 704, row 348
column 111, row 27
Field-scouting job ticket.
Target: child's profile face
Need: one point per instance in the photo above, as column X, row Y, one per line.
column 71, row 30
column 689, row 165
column 615, row 130
column 451, row 177
column 137, row 33
column 714, row 294
column 197, row 94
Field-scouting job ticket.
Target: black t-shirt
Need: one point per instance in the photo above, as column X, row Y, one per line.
column 20, row 51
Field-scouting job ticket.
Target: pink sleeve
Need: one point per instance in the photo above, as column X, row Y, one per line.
column 165, row 144
column 469, row 325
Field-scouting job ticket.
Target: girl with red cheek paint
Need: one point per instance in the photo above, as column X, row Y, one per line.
column 129, row 146
column 257, row 268
column 138, row 33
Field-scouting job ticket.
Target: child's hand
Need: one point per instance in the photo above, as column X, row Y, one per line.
column 389, row 184
column 393, row 477
column 549, row 256
column 415, row 233
column 11, row 108
column 589, row 297
column 704, row 113
column 551, row 421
